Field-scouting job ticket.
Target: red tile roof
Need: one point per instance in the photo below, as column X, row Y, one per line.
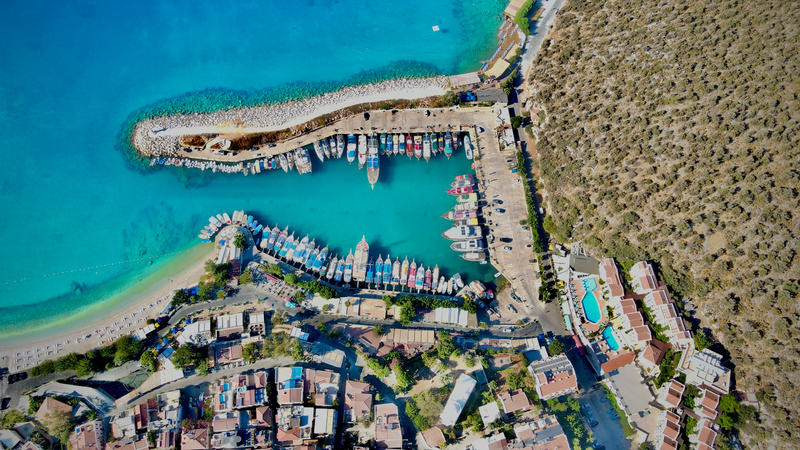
column 617, row 362
column 514, row 401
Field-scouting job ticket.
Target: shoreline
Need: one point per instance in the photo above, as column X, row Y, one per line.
column 111, row 317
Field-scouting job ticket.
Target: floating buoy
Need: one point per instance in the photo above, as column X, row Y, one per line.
column 436, row 28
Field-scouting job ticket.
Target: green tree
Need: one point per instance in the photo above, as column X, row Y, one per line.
column 127, row 349
column 516, row 122
column 180, row 297
column 246, row 277
column 407, row 313
column 291, row 279
column 202, row 368
column 187, row 355
column 445, row 345
column 297, row 351
column 429, row 405
column 240, row 241
column 379, row 330
column 555, row 348
column 322, row 327
column 251, row 352
column 148, row 361
column 279, row 318
column 151, row 438
column 84, row 368
column 59, row 425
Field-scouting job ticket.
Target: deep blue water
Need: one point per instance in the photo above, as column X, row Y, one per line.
column 75, row 73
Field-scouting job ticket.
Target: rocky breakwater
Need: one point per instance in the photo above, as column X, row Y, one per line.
column 160, row 136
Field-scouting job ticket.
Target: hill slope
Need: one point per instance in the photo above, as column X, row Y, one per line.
column 671, row 133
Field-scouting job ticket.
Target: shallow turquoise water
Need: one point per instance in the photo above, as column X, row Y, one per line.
column 77, row 72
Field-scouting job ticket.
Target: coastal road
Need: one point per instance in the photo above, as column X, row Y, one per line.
column 539, row 31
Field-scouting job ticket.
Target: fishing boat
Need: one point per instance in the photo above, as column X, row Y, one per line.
column 467, row 146
column 404, row 272
column 311, row 253
column 467, row 246
column 442, row 285
column 214, row 221
column 412, row 274
column 258, row 230
column 339, row 274
column 348, row 268
column 401, row 144
column 396, row 271
column 466, row 206
column 291, row 251
column 435, row 278
column 387, row 270
column 420, row 278
column 449, row 289
column 418, row 146
column 318, row 151
column 249, row 221
column 379, row 270
column 331, row 153
column 370, row 271
column 462, row 233
column 427, row 285
column 373, row 165
column 227, row 218
column 339, row 145
column 286, row 246
column 389, row 145
column 462, row 183
column 362, row 150
column 351, row 148
column 409, row 146
column 204, row 237
column 273, row 234
column 466, row 176
column 474, row 256
column 454, row 214
column 426, row 147
column 332, row 267
column 360, row 260
column 467, row 198
column 326, row 149
column 448, row 145
column 440, row 140
column 461, row 190
column 458, row 282
column 398, row 141
column 383, row 144
column 299, row 251
column 317, row 265
column 281, row 241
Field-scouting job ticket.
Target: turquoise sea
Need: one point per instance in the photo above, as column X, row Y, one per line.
column 80, row 223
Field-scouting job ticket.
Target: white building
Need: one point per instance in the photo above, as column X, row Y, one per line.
column 458, row 399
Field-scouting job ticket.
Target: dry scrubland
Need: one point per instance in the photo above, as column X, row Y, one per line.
column 671, row 134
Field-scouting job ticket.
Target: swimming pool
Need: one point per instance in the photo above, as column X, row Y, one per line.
column 608, row 335
column 591, row 308
column 589, row 284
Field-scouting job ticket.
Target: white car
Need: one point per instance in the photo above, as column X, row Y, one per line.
column 506, row 248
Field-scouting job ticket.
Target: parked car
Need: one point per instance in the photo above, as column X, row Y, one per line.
column 13, row 378
column 593, row 424
column 506, row 239
column 511, row 309
column 526, row 228
column 529, row 246
column 610, row 411
column 499, row 210
column 4, row 403
column 497, row 201
column 514, row 296
column 506, row 248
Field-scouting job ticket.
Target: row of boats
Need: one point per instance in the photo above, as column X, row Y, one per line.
column 466, row 216
column 315, row 259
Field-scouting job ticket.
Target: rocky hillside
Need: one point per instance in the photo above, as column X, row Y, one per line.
column 671, row 133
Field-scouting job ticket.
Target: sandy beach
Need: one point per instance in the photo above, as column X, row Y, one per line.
column 101, row 329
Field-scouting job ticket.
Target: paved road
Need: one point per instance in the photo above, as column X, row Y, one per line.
column 539, row 31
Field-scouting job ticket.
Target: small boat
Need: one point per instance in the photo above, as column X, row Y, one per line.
column 273, row 234
column 467, row 146
column 467, row 246
column 435, row 278
column 290, row 159
column 387, row 270
column 227, row 218
column 409, row 146
column 457, row 280
column 311, row 253
column 434, row 144
column 398, row 141
column 214, row 221
column 412, row 274
column 442, row 285
column 461, row 190
column 258, row 230
column 370, row 271
column 318, row 151
column 303, row 160
column 204, row 237
column 426, row 147
column 440, row 139
column 474, row 256
column 401, row 144
column 396, row 271
column 286, row 246
column 373, row 164
column 339, row 146
column 383, row 144
column 331, row 148
column 466, row 206
column 326, row 149
column 448, row 145
column 462, row 233
column 300, row 251
column 348, row 267
column 338, row 275
column 449, row 289
column 291, row 251
column 362, row 150
column 467, row 198
column 418, row 146
column 281, row 241
column 320, row 260
column 420, row 283
column 454, row 214
column 389, row 145
column 249, row 221
column 404, row 272
column 332, row 267
column 427, row 285
column 462, row 183
column 352, row 147
column 378, row 270
column 466, row 176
